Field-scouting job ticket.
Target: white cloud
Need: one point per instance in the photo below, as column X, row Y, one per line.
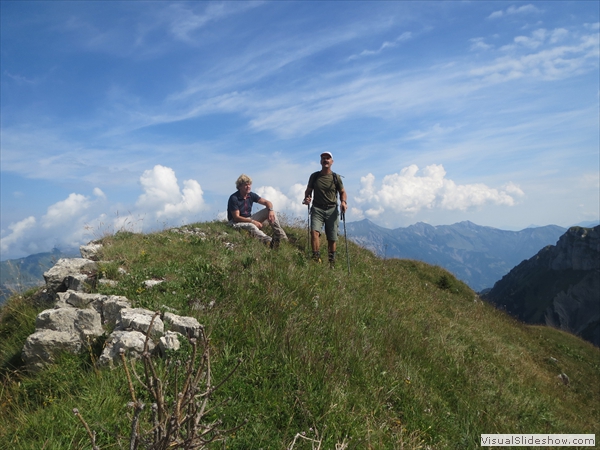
column 163, row 198
column 18, row 230
column 63, row 226
column 412, row 190
column 356, row 213
column 290, row 203
column 534, row 41
column 98, row 193
column 479, row 44
column 547, row 62
column 66, row 211
column 513, row 189
column 407, row 35
column 557, row 35
column 184, row 21
column 537, row 56
column 20, row 79
column 78, row 219
column 512, row 10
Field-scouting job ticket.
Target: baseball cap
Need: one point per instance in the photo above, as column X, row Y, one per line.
column 327, row 153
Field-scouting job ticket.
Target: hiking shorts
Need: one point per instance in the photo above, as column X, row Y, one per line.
column 329, row 218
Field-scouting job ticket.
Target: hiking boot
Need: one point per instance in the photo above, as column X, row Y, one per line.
column 331, row 257
column 316, row 257
column 275, row 243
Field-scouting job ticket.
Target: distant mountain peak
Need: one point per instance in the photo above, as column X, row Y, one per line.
column 478, row 255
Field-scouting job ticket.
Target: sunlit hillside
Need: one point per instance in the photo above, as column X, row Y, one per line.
column 389, row 354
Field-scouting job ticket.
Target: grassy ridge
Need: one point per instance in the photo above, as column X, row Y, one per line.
column 397, row 355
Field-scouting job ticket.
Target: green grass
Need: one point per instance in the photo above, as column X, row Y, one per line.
column 398, row 354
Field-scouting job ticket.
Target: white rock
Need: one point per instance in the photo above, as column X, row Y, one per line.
column 187, row 326
column 43, row 346
column 132, row 342
column 151, row 283
column 170, row 341
column 56, row 275
column 90, row 251
column 139, row 319
column 84, row 323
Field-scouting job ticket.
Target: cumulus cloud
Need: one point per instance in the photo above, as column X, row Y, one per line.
column 63, row 226
column 78, row 219
column 163, row 197
column 289, row 203
column 17, row 231
column 66, row 210
column 413, row 189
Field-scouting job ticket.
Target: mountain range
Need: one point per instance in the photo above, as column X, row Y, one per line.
column 559, row 286
column 477, row 255
column 18, row 275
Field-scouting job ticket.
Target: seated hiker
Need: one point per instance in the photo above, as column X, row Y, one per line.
column 239, row 213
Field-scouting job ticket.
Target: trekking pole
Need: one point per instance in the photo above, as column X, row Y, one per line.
column 346, row 239
column 308, row 227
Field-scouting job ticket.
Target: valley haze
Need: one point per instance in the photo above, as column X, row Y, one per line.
column 435, row 112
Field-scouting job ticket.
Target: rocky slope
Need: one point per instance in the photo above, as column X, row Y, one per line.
column 560, row 286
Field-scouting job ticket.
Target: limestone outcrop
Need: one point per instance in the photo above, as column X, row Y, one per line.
column 78, row 318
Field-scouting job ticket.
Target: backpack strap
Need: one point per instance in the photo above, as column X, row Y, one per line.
column 336, row 180
column 311, row 180
column 313, row 177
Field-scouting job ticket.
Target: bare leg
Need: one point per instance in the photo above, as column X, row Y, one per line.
column 331, row 246
column 315, row 240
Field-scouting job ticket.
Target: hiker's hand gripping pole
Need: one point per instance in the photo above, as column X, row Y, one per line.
column 306, row 202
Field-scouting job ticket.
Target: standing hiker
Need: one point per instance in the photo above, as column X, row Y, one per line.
column 324, row 212
column 239, row 213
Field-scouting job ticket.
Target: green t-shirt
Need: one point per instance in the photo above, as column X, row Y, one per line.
column 324, row 188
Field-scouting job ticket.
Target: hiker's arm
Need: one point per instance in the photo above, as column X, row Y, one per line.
column 269, row 205
column 237, row 218
column 343, row 200
column 307, row 196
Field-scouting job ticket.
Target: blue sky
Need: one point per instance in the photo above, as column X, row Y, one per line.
column 140, row 115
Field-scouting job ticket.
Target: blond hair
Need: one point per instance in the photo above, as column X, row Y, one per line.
column 243, row 179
